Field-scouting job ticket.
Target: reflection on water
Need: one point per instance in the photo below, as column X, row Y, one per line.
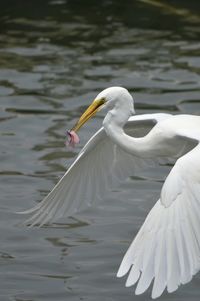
column 55, row 56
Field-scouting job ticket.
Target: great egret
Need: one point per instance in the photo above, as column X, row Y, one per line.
column 167, row 247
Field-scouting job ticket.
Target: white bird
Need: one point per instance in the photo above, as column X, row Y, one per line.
column 167, row 247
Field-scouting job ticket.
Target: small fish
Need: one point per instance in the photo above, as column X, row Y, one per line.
column 72, row 138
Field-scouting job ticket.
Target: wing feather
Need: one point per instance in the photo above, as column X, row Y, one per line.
column 100, row 165
column 171, row 232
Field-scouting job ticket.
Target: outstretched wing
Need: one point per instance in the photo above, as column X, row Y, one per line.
column 167, row 247
column 99, row 165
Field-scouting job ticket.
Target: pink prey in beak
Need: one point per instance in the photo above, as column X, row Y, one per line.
column 72, row 138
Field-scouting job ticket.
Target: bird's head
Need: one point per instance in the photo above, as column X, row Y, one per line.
column 107, row 99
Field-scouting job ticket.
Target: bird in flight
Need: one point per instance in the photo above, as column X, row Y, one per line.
column 166, row 249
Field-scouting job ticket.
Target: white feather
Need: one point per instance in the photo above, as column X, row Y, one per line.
column 100, row 165
column 172, row 227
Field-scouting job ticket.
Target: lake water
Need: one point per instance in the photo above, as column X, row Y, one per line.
column 55, row 56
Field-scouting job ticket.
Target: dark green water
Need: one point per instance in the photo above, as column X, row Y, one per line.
column 55, row 56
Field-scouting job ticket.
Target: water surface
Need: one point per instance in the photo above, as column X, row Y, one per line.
column 55, row 56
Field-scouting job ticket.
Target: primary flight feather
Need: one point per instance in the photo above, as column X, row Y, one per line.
column 166, row 249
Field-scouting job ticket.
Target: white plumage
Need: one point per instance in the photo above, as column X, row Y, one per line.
column 167, row 247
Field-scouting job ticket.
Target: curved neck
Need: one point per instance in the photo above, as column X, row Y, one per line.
column 113, row 124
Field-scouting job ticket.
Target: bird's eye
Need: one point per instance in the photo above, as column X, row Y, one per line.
column 102, row 101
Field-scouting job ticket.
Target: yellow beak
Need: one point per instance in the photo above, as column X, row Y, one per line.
column 90, row 111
